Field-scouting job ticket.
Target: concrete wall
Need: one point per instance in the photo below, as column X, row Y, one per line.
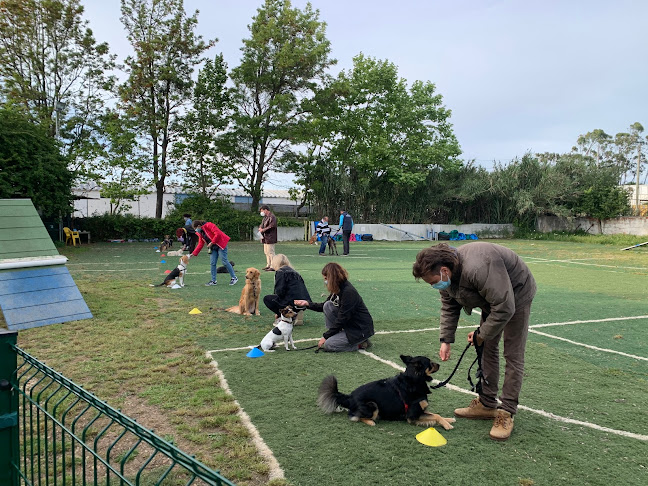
column 401, row 232
column 631, row 225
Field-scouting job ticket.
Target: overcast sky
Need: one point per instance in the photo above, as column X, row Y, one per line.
column 518, row 76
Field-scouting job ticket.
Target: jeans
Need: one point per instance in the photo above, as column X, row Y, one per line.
column 323, row 245
column 214, row 259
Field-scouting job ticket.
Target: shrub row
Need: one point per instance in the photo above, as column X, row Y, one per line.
column 238, row 225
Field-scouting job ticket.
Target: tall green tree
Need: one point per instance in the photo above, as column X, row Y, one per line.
column 283, row 60
column 29, row 162
column 159, row 84
column 122, row 162
column 200, row 145
column 380, row 140
column 53, row 70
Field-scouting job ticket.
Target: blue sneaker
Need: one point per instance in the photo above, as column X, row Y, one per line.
column 212, row 282
column 233, row 281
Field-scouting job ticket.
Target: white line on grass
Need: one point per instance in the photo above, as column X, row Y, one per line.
column 428, row 329
column 275, row 469
column 546, row 260
column 605, row 350
column 549, row 415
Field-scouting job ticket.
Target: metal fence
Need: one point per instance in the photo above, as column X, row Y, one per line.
column 53, row 432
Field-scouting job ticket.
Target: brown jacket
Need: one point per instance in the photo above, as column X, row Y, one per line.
column 491, row 277
column 269, row 224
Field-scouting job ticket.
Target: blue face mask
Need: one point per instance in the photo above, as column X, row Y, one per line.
column 441, row 285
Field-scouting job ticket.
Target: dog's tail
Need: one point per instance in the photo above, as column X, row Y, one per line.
column 329, row 397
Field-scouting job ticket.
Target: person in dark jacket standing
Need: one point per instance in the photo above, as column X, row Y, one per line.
column 348, row 322
column 346, row 225
column 268, row 230
column 289, row 285
column 496, row 280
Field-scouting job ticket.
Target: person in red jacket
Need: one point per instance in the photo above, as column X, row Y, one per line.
column 218, row 245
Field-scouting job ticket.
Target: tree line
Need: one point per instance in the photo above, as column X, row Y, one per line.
column 365, row 139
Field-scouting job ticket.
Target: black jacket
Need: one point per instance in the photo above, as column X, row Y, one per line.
column 353, row 315
column 289, row 286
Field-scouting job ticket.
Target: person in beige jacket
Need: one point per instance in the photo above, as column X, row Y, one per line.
column 496, row 280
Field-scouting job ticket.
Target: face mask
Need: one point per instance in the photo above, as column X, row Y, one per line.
column 441, row 285
column 262, row 213
column 325, row 282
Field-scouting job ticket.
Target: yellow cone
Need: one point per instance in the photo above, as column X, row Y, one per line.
column 430, row 437
column 195, row 311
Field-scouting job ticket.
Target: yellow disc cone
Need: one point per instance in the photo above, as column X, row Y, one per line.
column 430, row 437
column 195, row 311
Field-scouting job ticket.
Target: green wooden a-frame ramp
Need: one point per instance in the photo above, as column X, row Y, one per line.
column 36, row 289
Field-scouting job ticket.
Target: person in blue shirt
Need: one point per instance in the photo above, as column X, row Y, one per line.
column 346, row 225
column 323, row 230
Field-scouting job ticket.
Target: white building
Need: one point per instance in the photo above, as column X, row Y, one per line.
column 88, row 201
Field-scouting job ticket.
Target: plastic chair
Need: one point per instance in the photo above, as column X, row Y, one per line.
column 71, row 236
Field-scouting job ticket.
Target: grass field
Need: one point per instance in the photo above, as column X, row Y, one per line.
column 583, row 418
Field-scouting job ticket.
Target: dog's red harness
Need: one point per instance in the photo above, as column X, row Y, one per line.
column 404, row 402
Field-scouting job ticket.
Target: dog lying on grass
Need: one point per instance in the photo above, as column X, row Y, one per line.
column 249, row 301
column 281, row 332
column 175, row 279
column 175, row 253
column 402, row 397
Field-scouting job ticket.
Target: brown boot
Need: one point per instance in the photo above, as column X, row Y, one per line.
column 502, row 425
column 476, row 411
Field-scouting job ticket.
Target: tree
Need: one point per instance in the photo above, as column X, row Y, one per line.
column 30, row 161
column 379, row 141
column 122, row 162
column 201, row 131
column 285, row 56
column 53, row 70
column 159, row 83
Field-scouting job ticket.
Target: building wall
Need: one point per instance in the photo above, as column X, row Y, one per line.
column 631, row 225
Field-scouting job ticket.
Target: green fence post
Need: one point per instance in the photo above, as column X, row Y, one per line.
column 9, row 447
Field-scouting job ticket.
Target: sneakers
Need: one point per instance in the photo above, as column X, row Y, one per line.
column 210, row 283
column 233, row 280
column 476, row 411
column 502, row 425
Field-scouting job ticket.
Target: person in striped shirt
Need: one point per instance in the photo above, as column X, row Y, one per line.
column 323, row 230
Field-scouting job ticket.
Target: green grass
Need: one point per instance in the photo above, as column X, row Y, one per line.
column 144, row 353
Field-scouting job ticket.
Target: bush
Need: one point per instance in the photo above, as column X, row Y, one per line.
column 238, row 225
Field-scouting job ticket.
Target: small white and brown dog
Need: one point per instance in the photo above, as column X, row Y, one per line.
column 175, row 279
column 281, row 332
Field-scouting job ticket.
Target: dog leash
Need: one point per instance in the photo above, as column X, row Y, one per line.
column 309, row 347
column 445, row 382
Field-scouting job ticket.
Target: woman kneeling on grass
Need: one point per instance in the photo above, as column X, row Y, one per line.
column 348, row 322
column 289, row 286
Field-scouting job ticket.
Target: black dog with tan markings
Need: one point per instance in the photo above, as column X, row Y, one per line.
column 402, row 397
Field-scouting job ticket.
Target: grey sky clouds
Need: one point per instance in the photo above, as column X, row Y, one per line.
column 517, row 75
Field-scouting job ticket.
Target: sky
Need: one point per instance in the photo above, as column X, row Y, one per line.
column 518, row 76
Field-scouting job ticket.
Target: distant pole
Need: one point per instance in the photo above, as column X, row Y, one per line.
column 637, row 184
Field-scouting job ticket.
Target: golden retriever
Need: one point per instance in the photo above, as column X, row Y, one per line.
column 249, row 302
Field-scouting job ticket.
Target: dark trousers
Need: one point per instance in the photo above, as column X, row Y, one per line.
column 515, row 334
column 345, row 241
column 271, row 303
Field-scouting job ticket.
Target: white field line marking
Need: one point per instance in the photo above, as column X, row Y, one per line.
column 605, row 350
column 476, row 311
column 275, row 469
column 567, row 323
column 522, row 407
column 81, row 270
column 546, row 260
